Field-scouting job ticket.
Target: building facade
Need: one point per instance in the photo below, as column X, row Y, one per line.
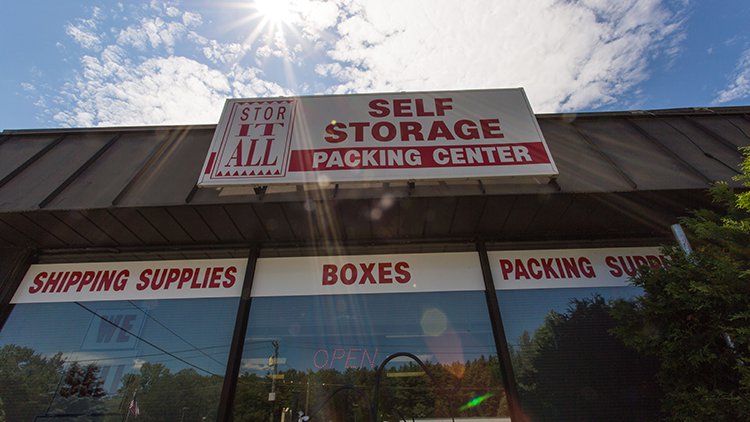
column 127, row 292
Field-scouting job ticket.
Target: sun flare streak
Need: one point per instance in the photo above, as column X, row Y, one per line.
column 276, row 11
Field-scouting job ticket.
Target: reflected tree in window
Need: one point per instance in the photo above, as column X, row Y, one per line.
column 80, row 393
column 166, row 396
column 82, row 382
column 406, row 391
column 27, row 381
column 573, row 369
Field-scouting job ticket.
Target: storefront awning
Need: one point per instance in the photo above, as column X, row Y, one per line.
column 623, row 174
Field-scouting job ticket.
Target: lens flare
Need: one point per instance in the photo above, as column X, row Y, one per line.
column 275, row 11
column 476, row 401
column 434, row 322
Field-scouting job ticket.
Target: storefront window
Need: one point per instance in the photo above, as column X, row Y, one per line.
column 86, row 360
column 567, row 363
column 71, row 358
column 322, row 354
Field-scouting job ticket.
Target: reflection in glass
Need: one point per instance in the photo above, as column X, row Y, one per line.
column 324, row 355
column 91, row 361
column 568, row 365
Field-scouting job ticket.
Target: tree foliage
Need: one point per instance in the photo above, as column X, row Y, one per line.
column 694, row 316
column 80, row 382
column 408, row 392
column 165, row 396
column 27, row 382
column 573, row 369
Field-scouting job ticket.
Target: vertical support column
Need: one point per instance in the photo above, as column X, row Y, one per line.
column 498, row 331
column 226, row 402
column 14, row 263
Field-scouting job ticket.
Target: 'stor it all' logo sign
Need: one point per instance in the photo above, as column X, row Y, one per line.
column 256, row 141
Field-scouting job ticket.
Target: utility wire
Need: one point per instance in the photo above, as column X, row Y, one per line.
column 148, row 354
column 146, row 341
column 175, row 334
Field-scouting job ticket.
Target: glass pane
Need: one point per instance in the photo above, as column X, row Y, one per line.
column 320, row 355
column 87, row 361
column 567, row 365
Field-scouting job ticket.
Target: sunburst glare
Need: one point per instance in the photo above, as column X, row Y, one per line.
column 276, row 11
column 272, row 22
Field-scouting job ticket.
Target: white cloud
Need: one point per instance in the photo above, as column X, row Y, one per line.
column 192, row 19
column 153, row 32
column 117, row 87
column 223, row 53
column 740, row 85
column 276, row 44
column 84, row 34
column 247, row 82
column 112, row 91
column 317, row 16
column 96, row 13
column 159, row 31
column 568, row 55
column 133, row 36
column 264, row 51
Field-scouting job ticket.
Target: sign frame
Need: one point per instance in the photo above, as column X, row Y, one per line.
column 377, row 137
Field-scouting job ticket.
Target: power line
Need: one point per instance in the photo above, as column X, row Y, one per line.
column 146, row 341
column 175, row 334
column 146, row 354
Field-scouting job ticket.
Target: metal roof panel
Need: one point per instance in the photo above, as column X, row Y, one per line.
column 32, row 185
column 158, row 167
column 98, row 185
column 582, row 168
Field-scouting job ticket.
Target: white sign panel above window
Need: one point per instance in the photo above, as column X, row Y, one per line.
column 136, row 280
column 368, row 274
column 564, row 268
column 377, row 137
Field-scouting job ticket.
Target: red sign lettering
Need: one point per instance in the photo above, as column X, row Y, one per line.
column 92, row 281
column 191, row 278
column 364, row 273
column 548, row 268
column 629, row 265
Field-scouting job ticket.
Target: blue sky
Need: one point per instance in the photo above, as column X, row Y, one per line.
column 110, row 63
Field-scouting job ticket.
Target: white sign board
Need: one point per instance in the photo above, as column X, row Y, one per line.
column 376, row 137
column 363, row 274
column 548, row 269
column 142, row 280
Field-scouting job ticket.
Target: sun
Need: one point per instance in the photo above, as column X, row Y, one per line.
column 275, row 24
column 275, row 11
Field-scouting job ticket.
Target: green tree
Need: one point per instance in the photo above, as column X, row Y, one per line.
column 694, row 316
column 82, row 382
column 80, row 394
column 573, row 369
column 164, row 396
column 405, row 392
column 251, row 400
column 27, row 382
